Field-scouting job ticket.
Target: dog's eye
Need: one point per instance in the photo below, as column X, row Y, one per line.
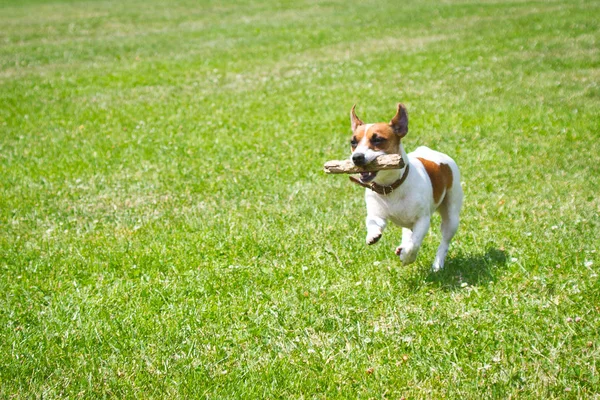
column 377, row 140
column 353, row 142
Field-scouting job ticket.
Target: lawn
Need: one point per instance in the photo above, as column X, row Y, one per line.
column 166, row 230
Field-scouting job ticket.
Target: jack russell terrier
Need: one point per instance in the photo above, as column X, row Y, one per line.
column 429, row 182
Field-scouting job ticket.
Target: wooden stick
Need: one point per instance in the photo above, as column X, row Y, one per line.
column 387, row 161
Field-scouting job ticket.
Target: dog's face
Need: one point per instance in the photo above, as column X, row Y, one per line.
column 372, row 140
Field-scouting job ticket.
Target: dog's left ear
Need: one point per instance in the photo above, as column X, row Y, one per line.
column 400, row 121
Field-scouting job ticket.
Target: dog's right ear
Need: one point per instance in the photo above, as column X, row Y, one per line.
column 400, row 121
column 355, row 122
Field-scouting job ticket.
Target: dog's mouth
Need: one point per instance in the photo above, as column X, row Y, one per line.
column 366, row 177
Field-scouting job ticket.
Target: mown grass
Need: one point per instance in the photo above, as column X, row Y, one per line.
column 166, row 230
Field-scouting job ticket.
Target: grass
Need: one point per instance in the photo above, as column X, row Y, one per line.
column 166, row 230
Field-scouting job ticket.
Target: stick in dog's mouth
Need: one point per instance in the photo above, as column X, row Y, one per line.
column 388, row 161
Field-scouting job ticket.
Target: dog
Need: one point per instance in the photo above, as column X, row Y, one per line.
column 429, row 182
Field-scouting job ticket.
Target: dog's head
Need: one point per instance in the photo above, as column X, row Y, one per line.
column 372, row 140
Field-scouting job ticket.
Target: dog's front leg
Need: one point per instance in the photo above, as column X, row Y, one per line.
column 411, row 242
column 376, row 217
column 375, row 227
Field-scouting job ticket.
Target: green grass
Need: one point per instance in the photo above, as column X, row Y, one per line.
column 166, row 230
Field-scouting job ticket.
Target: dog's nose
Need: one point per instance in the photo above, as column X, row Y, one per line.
column 358, row 159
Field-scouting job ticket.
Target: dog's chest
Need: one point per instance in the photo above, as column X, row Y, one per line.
column 405, row 213
column 402, row 210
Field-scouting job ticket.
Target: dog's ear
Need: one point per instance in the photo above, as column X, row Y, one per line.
column 400, row 121
column 355, row 122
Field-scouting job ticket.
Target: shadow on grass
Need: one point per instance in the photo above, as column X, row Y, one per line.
column 472, row 269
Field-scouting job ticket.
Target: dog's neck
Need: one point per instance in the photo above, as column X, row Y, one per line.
column 390, row 176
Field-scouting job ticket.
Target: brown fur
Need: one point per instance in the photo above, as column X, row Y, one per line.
column 440, row 176
column 390, row 146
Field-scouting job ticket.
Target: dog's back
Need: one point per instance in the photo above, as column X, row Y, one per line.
column 443, row 173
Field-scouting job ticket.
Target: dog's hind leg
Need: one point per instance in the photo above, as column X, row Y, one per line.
column 450, row 212
column 412, row 239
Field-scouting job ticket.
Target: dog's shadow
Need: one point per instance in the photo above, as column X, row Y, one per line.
column 467, row 270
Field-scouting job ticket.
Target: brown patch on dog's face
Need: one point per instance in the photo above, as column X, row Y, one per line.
column 380, row 137
column 357, row 136
column 440, row 176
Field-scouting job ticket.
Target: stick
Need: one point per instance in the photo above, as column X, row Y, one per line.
column 387, row 161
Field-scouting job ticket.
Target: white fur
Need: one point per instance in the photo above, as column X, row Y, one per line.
column 412, row 205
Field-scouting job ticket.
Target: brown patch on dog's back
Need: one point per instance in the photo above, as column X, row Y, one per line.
column 440, row 176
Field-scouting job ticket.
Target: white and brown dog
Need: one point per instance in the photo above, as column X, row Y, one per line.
column 429, row 182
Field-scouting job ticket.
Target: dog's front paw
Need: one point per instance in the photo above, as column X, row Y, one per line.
column 407, row 254
column 374, row 238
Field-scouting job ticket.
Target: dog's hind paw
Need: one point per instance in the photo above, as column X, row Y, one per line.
column 436, row 267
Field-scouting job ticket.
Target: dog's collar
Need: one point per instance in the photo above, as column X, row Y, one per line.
column 381, row 189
